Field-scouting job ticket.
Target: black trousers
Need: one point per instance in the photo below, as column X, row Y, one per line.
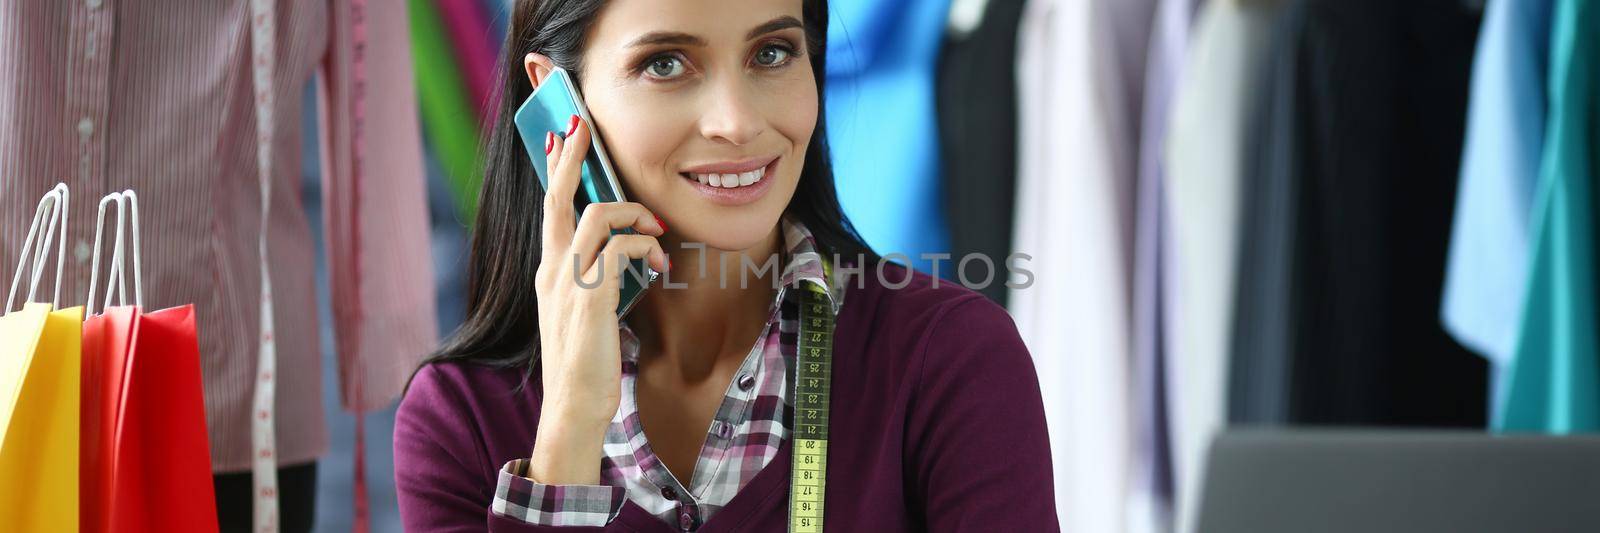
column 297, row 499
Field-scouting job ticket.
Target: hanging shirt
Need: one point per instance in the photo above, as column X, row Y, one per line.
column 1260, row 333
column 1151, row 484
column 977, row 97
column 1207, row 153
column 1348, row 220
column 883, row 125
column 1487, row 274
column 1555, row 371
column 110, row 95
column 1081, row 68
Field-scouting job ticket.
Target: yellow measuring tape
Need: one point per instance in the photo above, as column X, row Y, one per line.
column 814, row 364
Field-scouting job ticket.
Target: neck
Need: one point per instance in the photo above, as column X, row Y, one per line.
column 701, row 316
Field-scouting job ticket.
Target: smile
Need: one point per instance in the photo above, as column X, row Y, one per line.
column 732, row 183
column 730, row 175
column 729, row 181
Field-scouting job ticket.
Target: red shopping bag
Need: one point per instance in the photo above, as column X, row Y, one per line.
column 105, row 352
column 145, row 454
column 147, row 464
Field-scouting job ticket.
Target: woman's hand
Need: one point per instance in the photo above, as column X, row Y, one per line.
column 581, row 356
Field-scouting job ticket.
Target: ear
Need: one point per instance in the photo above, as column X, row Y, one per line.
column 538, row 67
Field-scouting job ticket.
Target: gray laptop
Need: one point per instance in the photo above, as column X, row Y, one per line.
column 1378, row 481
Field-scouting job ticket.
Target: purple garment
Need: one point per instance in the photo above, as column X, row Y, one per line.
column 937, row 424
column 1152, row 485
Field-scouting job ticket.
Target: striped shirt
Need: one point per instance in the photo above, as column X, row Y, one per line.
column 106, row 95
column 744, row 435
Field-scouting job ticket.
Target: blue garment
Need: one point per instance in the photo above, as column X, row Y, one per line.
column 882, row 126
column 1487, row 270
column 1555, row 372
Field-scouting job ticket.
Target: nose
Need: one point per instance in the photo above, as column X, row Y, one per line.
column 731, row 115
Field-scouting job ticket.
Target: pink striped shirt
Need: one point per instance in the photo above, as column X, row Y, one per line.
column 107, row 95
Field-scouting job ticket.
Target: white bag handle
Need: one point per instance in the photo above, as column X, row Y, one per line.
column 133, row 215
column 117, row 284
column 99, row 233
column 49, row 207
column 54, row 205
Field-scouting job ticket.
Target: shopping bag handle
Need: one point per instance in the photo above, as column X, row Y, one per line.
column 54, row 205
column 127, row 205
column 132, row 200
column 99, row 234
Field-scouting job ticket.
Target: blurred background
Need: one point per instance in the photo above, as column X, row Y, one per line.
column 1238, row 212
column 1234, row 213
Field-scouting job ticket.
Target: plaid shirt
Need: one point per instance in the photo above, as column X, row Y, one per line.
column 744, row 435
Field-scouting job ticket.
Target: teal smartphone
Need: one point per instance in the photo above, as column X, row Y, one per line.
column 550, row 109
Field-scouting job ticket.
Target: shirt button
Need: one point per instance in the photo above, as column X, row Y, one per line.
column 685, row 522
column 86, row 127
column 746, row 382
column 668, row 494
column 724, row 429
column 82, row 251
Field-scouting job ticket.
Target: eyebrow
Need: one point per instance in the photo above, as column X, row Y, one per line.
column 657, row 38
column 781, row 23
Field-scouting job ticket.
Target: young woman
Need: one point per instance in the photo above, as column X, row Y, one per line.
column 545, row 411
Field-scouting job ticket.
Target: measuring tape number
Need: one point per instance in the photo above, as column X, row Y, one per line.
column 815, row 364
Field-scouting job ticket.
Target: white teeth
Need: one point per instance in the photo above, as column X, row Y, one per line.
column 729, row 181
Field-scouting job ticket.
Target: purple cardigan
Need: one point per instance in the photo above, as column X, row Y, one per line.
column 936, row 424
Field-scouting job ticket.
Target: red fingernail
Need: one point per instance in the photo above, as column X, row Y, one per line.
column 572, row 125
column 662, row 224
column 549, row 142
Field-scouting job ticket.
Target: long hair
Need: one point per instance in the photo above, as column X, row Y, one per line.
column 502, row 321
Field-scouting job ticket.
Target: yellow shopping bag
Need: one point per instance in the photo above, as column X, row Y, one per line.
column 40, row 383
column 19, row 337
column 39, row 450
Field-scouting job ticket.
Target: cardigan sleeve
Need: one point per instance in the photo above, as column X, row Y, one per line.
column 441, row 479
column 979, row 453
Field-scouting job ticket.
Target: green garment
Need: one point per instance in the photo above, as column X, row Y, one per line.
column 448, row 117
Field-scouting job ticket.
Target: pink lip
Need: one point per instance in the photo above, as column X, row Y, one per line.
column 732, row 167
column 739, row 195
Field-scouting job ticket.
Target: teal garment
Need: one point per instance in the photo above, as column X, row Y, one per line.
column 1555, row 372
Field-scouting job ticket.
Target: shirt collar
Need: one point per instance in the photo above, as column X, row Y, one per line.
column 806, row 265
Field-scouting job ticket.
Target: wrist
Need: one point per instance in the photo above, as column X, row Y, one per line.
column 567, row 451
column 569, row 412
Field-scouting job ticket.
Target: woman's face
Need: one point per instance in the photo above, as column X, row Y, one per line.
column 706, row 108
